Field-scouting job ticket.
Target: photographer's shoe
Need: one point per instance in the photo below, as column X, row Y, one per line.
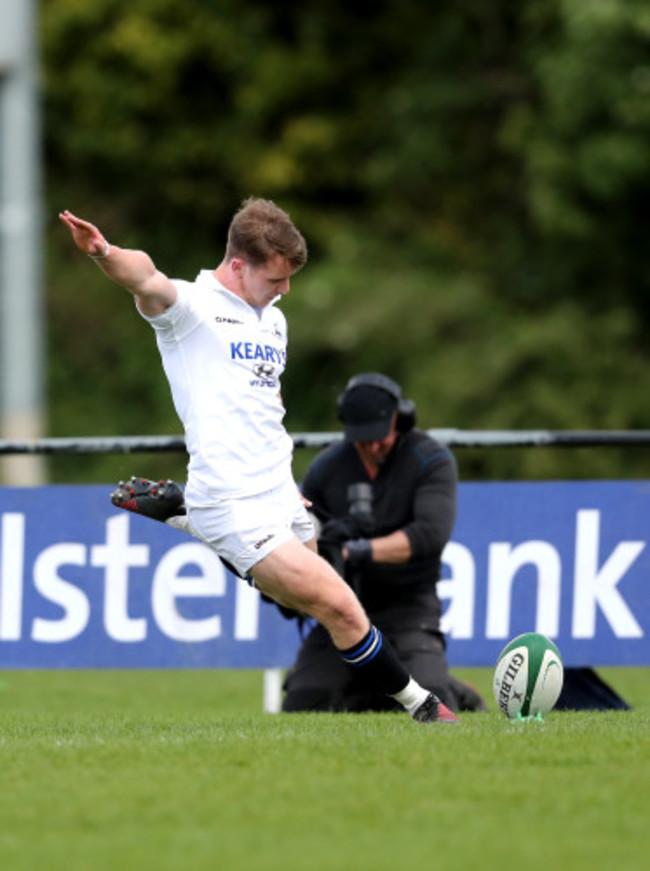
column 432, row 710
column 159, row 500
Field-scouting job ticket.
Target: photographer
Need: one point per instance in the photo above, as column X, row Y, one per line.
column 386, row 501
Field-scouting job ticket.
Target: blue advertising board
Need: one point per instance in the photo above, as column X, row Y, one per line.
column 569, row 559
column 85, row 585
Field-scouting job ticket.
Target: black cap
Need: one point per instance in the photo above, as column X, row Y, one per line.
column 367, row 413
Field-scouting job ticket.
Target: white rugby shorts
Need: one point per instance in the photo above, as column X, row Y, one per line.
column 245, row 530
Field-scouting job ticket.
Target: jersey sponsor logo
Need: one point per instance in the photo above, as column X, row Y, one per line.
column 264, row 376
column 254, row 351
column 221, row 320
column 264, row 370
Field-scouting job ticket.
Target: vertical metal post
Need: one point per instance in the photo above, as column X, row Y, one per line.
column 21, row 315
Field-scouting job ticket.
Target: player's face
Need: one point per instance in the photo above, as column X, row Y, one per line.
column 260, row 285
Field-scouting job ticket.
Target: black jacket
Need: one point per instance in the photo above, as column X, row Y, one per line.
column 415, row 491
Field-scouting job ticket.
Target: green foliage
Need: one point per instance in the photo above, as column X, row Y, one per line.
column 471, row 179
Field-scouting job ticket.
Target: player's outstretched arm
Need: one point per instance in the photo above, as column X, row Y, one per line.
column 133, row 270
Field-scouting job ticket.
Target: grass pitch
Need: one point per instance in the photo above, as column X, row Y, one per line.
column 182, row 770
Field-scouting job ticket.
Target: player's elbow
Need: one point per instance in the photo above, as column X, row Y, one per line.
column 154, row 294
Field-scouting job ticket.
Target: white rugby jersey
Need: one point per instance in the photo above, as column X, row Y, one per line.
column 223, row 359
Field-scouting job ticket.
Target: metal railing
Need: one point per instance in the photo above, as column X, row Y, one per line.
column 453, row 438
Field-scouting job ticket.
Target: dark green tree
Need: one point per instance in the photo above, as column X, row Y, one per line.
column 471, row 178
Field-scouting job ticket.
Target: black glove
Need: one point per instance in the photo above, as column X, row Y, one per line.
column 339, row 529
column 359, row 552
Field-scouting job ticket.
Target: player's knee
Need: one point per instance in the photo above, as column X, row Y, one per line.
column 341, row 612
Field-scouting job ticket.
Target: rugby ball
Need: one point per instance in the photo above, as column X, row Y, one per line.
column 528, row 676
